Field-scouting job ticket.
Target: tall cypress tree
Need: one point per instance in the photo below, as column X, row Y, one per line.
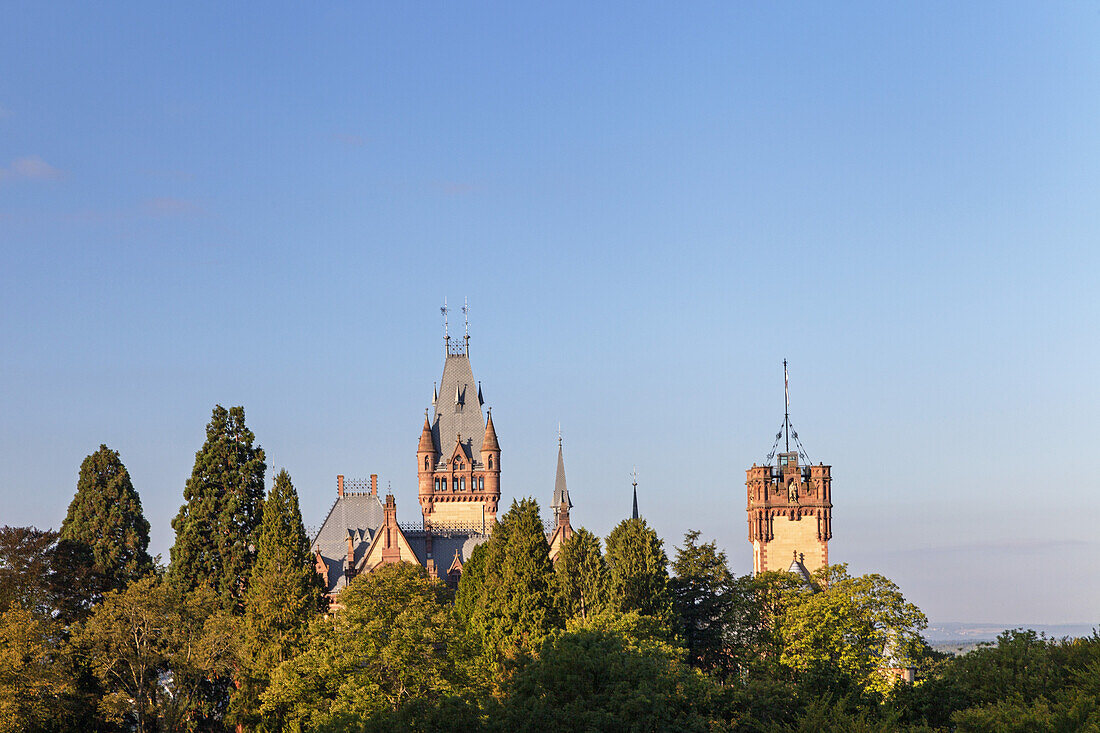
column 216, row 526
column 519, row 606
column 582, row 575
column 282, row 597
column 638, row 570
column 105, row 516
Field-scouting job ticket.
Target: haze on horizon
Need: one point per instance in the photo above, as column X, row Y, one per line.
column 648, row 207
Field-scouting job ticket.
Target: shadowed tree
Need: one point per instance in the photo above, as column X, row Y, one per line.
column 704, row 598
column 285, row 593
column 216, row 526
column 105, row 515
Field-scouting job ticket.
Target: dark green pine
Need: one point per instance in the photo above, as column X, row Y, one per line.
column 638, row 570
column 582, row 575
column 223, row 501
column 106, row 517
column 520, row 607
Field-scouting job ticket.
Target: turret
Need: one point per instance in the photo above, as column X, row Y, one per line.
column 426, row 457
column 490, row 462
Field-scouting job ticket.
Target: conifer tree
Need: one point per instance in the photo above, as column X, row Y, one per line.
column 638, row 569
column 282, row 597
column 105, row 515
column 216, row 526
column 582, row 576
column 519, row 606
column 708, row 601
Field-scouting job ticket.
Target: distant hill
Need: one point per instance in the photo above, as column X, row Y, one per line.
column 969, row 634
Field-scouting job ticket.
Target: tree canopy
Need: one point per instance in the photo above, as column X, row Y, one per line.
column 638, row 569
column 223, row 500
column 105, row 515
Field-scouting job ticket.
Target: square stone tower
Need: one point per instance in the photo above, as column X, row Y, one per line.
column 790, row 514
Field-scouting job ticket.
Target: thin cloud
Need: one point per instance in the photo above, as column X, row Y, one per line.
column 352, row 141
column 163, row 206
column 32, row 168
column 457, row 188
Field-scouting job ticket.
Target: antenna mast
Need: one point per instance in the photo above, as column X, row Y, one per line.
column 786, row 408
column 466, row 316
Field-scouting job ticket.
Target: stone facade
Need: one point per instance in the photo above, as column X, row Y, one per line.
column 790, row 513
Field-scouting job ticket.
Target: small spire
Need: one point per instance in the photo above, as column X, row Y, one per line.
column 489, row 442
column 634, row 481
column 435, row 394
column 427, row 444
column 480, row 399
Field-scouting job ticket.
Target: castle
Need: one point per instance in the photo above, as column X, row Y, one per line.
column 458, row 471
column 458, row 462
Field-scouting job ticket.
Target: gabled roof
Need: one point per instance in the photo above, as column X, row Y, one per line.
column 456, row 409
column 798, row 568
column 356, row 515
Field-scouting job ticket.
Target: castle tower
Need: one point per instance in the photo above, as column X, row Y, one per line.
column 790, row 507
column 458, row 458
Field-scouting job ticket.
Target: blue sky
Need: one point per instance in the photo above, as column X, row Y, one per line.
column 649, row 207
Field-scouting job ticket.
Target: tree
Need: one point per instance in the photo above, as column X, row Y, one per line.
column 598, row 677
column 854, row 626
column 471, row 584
column 638, row 569
column 518, row 604
column 709, row 603
column 40, row 574
column 216, row 526
column 582, row 576
column 282, row 598
column 105, row 514
column 393, row 644
column 158, row 652
column 33, row 683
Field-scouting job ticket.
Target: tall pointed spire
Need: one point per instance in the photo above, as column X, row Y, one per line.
column 634, row 481
column 560, row 503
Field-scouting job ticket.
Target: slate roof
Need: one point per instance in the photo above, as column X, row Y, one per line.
column 561, row 493
column 802, row 572
column 444, row 544
column 359, row 514
column 458, row 410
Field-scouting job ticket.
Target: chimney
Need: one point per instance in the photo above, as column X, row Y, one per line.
column 374, row 484
column 340, row 486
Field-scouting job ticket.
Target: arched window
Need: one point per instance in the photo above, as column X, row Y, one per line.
column 490, row 463
column 425, row 463
column 480, row 484
column 456, row 463
column 454, row 484
column 463, row 483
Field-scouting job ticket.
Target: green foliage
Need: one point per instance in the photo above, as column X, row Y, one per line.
column 709, row 604
column 471, row 584
column 581, row 576
column 150, row 629
column 518, row 605
column 216, row 526
column 40, row 574
column 33, row 682
column 393, row 644
column 284, row 595
column 854, row 626
column 105, row 515
column 601, row 679
column 638, row 570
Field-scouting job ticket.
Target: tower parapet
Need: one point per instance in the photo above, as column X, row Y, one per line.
column 790, row 505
